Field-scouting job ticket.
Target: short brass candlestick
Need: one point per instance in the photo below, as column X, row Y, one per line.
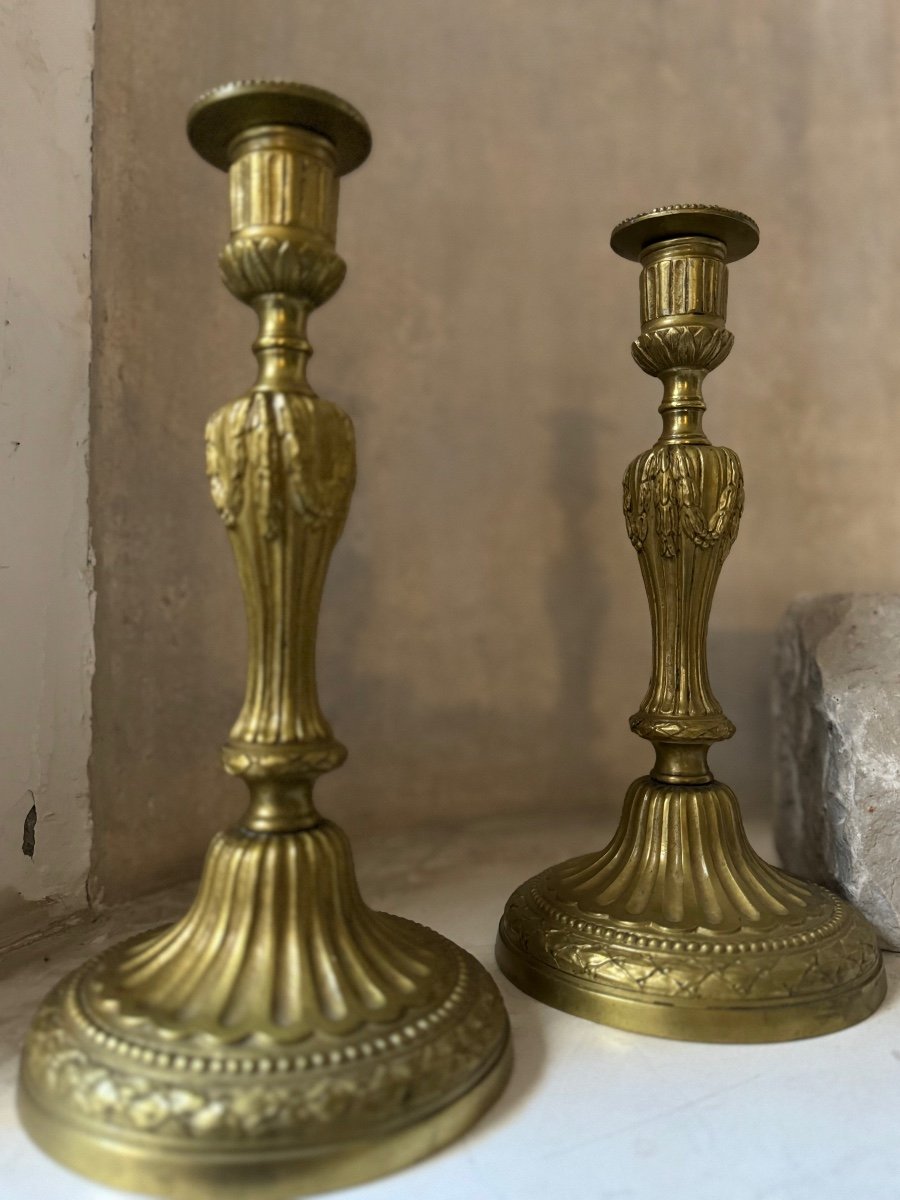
column 282, row 1037
column 678, row 928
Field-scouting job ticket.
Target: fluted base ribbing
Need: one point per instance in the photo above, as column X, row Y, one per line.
column 282, row 1038
column 679, row 929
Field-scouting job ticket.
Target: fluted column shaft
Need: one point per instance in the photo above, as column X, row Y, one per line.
column 682, row 501
column 281, row 465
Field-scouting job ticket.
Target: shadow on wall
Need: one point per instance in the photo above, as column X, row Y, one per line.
column 745, row 658
column 576, row 601
column 420, row 760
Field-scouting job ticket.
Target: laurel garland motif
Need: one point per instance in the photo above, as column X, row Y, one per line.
column 299, row 450
column 282, row 762
column 703, row 728
column 831, row 953
column 290, row 1106
column 668, row 480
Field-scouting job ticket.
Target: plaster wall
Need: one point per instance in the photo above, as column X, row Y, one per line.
column 46, row 647
column 484, row 634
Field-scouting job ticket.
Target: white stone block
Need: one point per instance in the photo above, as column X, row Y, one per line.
column 837, row 749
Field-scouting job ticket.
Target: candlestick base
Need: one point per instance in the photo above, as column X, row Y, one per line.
column 281, row 1039
column 679, row 929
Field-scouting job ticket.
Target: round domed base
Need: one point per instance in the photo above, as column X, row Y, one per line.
column 679, row 929
column 795, row 982
column 133, row 1104
column 774, row 1018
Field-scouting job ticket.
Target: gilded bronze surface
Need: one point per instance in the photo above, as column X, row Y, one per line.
column 678, row 928
column 282, row 1037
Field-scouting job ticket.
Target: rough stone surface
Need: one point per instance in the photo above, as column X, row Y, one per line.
column 837, row 743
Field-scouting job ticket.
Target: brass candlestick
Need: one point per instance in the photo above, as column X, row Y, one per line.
column 282, row 1037
column 678, row 928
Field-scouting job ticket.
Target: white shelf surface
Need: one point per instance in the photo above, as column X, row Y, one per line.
column 589, row 1112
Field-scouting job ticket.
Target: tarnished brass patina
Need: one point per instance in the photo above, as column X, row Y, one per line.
column 678, row 928
column 282, row 1037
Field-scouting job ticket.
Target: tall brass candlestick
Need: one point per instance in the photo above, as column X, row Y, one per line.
column 282, row 1037
column 678, row 928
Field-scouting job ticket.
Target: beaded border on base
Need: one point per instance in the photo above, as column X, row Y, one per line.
column 603, row 953
column 341, row 1094
column 101, row 1031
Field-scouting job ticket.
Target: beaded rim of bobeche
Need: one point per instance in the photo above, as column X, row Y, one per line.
column 739, row 232
column 223, row 113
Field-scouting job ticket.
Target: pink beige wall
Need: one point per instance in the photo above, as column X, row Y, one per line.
column 46, row 646
column 485, row 634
